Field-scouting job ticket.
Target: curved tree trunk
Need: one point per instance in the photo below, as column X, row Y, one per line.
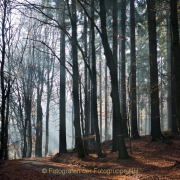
column 114, row 83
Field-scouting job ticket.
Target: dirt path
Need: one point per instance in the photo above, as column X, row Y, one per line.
column 149, row 161
column 61, row 171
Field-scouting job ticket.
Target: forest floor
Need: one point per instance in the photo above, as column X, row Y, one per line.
column 154, row 160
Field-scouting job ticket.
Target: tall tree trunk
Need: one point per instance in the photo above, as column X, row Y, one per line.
column 100, row 94
column 155, row 116
column 176, row 54
column 3, row 96
column 25, row 135
column 114, row 83
column 6, row 130
column 169, row 70
column 82, row 119
column 86, row 83
column 28, row 113
column 7, row 114
column 92, row 139
column 173, row 101
column 62, row 132
column 47, row 114
column 79, row 143
column 134, row 129
column 94, row 85
column 173, row 124
column 162, row 119
column 106, row 109
column 123, row 68
column 73, row 137
column 89, row 105
column 49, row 91
column 38, row 145
column 115, row 21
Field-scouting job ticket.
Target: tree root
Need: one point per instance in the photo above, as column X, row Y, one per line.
column 161, row 139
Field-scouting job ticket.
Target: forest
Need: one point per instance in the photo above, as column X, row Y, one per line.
column 94, row 80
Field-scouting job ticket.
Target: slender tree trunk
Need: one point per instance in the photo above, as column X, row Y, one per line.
column 28, row 109
column 114, row 83
column 115, row 21
column 49, row 91
column 47, row 119
column 92, row 116
column 169, row 69
column 155, row 116
column 62, row 132
column 162, row 119
column 6, row 130
column 38, row 145
column 91, row 96
column 100, row 94
column 72, row 125
column 173, row 124
column 3, row 96
column 94, row 85
column 123, row 68
column 173, row 102
column 134, row 128
column 82, row 124
column 25, row 142
column 89, row 105
column 106, row 118
column 79, row 143
column 86, row 84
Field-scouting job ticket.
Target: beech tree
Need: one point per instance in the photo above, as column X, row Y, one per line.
column 134, row 130
column 175, row 55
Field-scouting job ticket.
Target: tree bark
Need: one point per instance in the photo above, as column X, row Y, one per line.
column 114, row 83
column 62, row 132
column 106, row 109
column 134, row 129
column 79, row 143
column 86, row 84
column 175, row 54
column 94, row 86
column 115, row 21
column 169, row 70
column 38, row 145
column 3, row 95
column 155, row 116
column 123, row 68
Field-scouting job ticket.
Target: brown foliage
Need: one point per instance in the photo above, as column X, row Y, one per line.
column 152, row 161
